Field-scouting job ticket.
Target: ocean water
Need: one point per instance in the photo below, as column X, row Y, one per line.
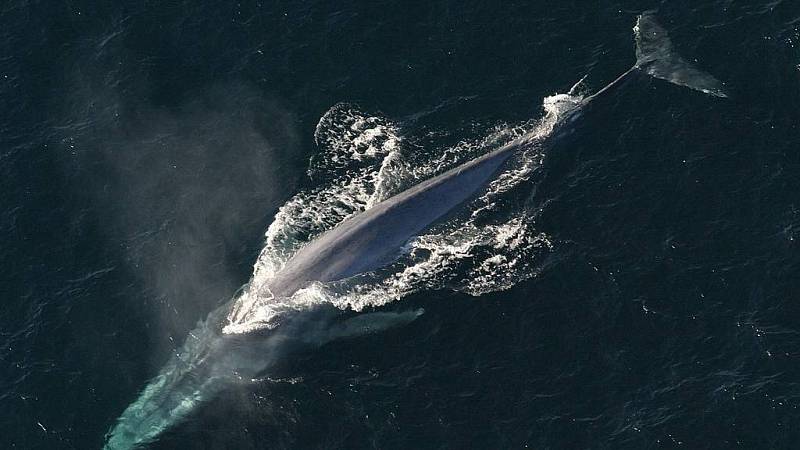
column 631, row 284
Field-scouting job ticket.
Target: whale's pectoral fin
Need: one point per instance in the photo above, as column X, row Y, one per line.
column 656, row 57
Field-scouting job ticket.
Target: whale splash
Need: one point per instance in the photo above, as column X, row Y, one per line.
column 364, row 162
column 373, row 174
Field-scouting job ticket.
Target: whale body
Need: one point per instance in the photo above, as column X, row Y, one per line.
column 371, row 239
column 211, row 360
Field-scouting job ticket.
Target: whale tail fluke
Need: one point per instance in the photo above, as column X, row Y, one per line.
column 656, row 57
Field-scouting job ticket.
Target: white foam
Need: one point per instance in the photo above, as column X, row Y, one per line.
column 362, row 162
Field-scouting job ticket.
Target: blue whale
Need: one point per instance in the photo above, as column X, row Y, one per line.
column 211, row 360
column 370, row 240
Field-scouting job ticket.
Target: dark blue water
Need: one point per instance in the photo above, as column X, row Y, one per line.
column 146, row 146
